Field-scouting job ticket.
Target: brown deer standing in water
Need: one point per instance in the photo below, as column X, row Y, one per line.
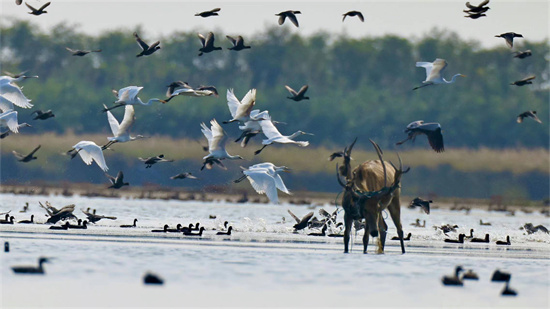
column 367, row 193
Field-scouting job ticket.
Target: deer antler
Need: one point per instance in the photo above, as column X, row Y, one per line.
column 379, row 152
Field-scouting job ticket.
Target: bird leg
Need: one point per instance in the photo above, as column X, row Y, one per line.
column 243, row 177
column 401, row 142
column 107, row 145
column 427, row 84
column 73, row 152
column 260, row 150
column 112, row 107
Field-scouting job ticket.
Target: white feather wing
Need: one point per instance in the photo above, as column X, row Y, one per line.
column 14, row 94
column 263, row 183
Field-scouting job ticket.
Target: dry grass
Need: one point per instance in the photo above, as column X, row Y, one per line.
column 309, row 159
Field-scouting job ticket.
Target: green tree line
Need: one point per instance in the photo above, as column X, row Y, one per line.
column 358, row 87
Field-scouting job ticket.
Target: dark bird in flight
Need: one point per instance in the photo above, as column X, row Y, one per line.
column 523, row 54
column 354, row 13
column 40, row 11
column 210, row 88
column 424, row 204
column 146, row 49
column 475, row 15
column 152, row 160
column 432, row 130
column 43, row 115
column 523, row 82
column 531, row 114
column 212, row 12
column 291, row 15
column 207, row 43
column 301, row 223
column 183, row 176
column 118, row 181
column 26, row 158
column 478, row 8
column 297, row 96
column 238, row 43
column 80, row 52
column 93, row 218
column 509, row 37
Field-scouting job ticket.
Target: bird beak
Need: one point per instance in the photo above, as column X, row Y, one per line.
column 462, row 75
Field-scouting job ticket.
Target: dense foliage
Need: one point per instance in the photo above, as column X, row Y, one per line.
column 358, row 87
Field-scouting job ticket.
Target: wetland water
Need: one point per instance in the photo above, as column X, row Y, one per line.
column 263, row 264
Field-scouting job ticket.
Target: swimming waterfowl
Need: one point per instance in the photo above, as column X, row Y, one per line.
column 484, row 223
column 188, row 228
column 129, row 225
column 217, row 139
column 460, row 239
column 507, row 291
column 40, row 11
column 26, row 158
column 153, row 160
column 417, row 223
column 470, row 275
column 323, row 232
column 486, row 239
column 509, row 37
column 183, row 176
column 229, row 229
column 177, row 229
column 207, row 43
column 523, row 54
column 43, row 115
column 471, row 234
column 25, row 208
column 60, row 227
column 80, row 52
column 118, row 181
column 31, row 269
column 291, row 16
column 432, row 131
column 79, row 223
column 212, row 12
column 189, row 233
column 530, row 114
column 525, row 81
column 146, row 50
column 434, row 72
column 84, row 226
column 238, row 43
column 505, row 243
column 27, row 221
column 352, row 14
column 6, row 246
column 150, row 278
column 8, row 220
column 453, row 280
column 300, row 223
column 406, row 238
column 164, row 230
column 500, row 276
column 297, row 96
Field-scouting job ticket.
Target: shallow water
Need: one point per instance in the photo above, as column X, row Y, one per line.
column 263, row 263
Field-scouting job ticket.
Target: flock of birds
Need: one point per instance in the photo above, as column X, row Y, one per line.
column 498, row 276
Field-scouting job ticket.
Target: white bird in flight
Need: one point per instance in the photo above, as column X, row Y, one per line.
column 12, row 92
column 9, row 119
column 129, row 96
column 89, row 152
column 434, row 71
column 121, row 131
column 241, row 110
column 252, row 127
column 274, row 136
column 265, row 179
column 217, row 138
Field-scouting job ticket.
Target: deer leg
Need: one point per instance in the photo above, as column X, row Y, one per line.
column 348, row 220
column 395, row 212
column 382, row 228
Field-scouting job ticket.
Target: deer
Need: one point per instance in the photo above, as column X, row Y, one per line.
column 370, row 188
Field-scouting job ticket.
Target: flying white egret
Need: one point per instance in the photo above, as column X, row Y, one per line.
column 274, row 136
column 9, row 119
column 265, row 179
column 121, row 131
column 252, row 127
column 5, row 104
column 12, row 92
column 240, row 110
column 89, row 152
column 129, row 96
column 433, row 73
column 217, row 138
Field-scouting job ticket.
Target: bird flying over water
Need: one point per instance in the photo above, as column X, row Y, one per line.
column 118, row 181
column 300, row 223
column 183, row 176
column 530, row 114
column 265, row 179
column 212, row 12
column 297, row 96
column 13, row 93
column 153, row 160
column 121, row 131
column 291, row 16
column 89, row 151
column 43, row 115
column 238, row 43
column 207, row 43
column 274, row 136
column 80, row 52
column 9, row 119
column 352, row 14
column 432, row 130
column 26, row 158
column 523, row 54
column 509, row 37
column 523, row 82
column 129, row 96
column 217, row 139
column 40, row 11
column 146, row 50
column 240, row 110
column 480, row 8
column 434, row 71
